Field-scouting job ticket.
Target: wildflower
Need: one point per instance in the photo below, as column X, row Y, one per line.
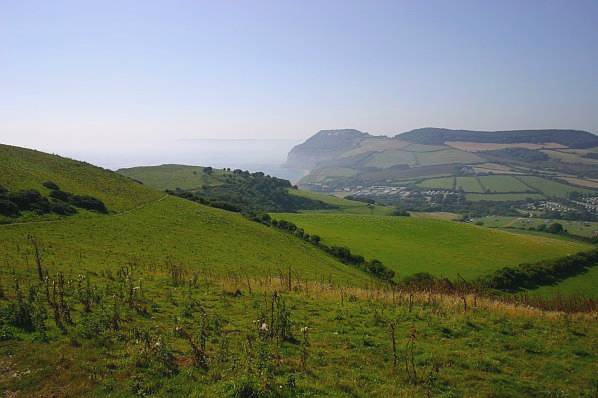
column 264, row 327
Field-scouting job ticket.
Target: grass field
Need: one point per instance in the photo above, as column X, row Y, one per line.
column 157, row 230
column 443, row 248
column 551, row 188
column 172, row 230
column 390, row 158
column 502, row 196
column 439, row 183
column 447, row 156
column 581, row 228
column 343, row 205
column 172, row 176
column 503, row 183
column 585, row 284
column 469, row 184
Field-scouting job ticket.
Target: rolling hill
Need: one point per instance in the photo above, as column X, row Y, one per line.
column 352, row 160
column 147, row 227
column 161, row 296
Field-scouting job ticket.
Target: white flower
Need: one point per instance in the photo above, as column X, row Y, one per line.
column 264, row 327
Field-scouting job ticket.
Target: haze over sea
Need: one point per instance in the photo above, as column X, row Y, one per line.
column 267, row 155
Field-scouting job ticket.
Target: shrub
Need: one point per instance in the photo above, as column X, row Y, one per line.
column 62, row 208
column 60, row 195
column 8, row 208
column 88, row 203
column 30, row 200
column 51, row 185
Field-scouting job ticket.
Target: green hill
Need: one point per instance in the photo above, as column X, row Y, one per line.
column 442, row 248
column 352, row 160
column 148, row 227
column 23, row 169
column 164, row 297
column 235, row 190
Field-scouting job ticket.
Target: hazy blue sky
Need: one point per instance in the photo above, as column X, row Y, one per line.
column 83, row 73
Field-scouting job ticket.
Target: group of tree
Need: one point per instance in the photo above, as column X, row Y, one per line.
column 12, row 204
column 243, row 191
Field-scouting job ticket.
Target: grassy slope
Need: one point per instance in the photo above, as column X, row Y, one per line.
column 176, row 229
column 585, row 284
column 486, row 352
column 410, row 245
column 343, row 205
column 151, row 228
column 22, row 168
column 171, row 176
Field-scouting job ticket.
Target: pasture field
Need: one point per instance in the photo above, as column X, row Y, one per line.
column 176, row 231
column 446, row 156
column 551, row 188
column 503, row 183
column 172, row 176
column 440, row 183
column 502, row 196
column 585, row 284
column 205, row 339
column 581, row 228
column 343, row 205
column 469, row 184
column 413, row 147
column 443, row 248
column 391, row 158
column 568, row 157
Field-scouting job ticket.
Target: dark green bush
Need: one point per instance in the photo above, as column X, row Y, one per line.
column 8, row 208
column 51, row 185
column 30, row 200
column 88, row 203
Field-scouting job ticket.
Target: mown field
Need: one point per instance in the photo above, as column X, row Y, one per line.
column 143, row 333
column 442, row 248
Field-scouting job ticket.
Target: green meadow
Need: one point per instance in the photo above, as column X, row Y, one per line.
column 444, row 248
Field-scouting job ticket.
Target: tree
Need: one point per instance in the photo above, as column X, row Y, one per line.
column 555, row 228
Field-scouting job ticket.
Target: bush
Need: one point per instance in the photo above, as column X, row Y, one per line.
column 60, row 195
column 62, row 208
column 30, row 200
column 8, row 208
column 88, row 203
column 51, row 185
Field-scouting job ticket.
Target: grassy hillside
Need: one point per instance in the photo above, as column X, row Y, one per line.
column 173, row 176
column 151, row 229
column 203, row 340
column 22, row 168
column 342, row 205
column 442, row 248
column 234, row 190
column 177, row 231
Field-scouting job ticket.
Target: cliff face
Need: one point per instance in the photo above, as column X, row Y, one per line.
column 324, row 145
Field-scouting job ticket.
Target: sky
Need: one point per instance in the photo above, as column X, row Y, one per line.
column 83, row 75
